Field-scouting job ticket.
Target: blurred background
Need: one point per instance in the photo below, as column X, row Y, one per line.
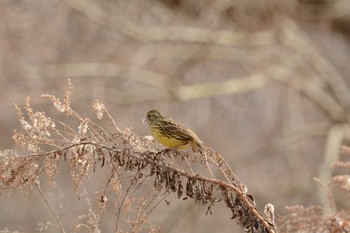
column 264, row 83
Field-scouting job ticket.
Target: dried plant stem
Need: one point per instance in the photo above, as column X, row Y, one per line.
column 120, row 207
column 220, row 183
column 208, row 167
column 157, row 204
column 236, row 188
column 123, row 152
column 82, row 225
column 189, row 165
column 37, row 184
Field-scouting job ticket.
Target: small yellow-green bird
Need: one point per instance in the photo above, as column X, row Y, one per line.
column 170, row 133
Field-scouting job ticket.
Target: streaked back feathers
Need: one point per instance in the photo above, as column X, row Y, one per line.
column 170, row 133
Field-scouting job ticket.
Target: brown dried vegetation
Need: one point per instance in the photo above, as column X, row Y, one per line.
column 88, row 146
column 314, row 218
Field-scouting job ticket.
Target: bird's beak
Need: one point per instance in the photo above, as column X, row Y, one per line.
column 144, row 120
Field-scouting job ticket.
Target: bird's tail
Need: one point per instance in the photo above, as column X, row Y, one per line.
column 197, row 145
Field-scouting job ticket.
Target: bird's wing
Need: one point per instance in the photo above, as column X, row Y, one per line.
column 176, row 130
column 180, row 131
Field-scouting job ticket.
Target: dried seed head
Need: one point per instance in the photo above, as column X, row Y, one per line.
column 99, row 109
column 83, row 127
column 26, row 126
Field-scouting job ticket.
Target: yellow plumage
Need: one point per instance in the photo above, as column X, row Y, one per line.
column 170, row 133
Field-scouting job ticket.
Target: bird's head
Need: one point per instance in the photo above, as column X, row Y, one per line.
column 153, row 116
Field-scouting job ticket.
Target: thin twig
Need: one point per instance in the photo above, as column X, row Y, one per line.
column 37, row 184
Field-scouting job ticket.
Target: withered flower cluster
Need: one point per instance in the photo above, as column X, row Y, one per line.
column 86, row 146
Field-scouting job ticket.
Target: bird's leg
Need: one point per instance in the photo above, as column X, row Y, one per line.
column 170, row 150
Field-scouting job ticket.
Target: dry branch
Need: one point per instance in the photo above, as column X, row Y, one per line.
column 88, row 146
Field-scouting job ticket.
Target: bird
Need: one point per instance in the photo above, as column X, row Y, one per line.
column 172, row 134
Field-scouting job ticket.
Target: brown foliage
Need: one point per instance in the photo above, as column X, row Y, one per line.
column 87, row 146
column 314, row 218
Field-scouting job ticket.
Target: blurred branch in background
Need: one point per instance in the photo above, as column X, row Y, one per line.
column 164, row 34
